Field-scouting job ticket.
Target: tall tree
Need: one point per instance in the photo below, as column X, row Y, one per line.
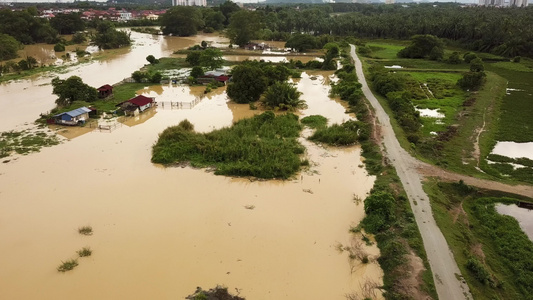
column 8, row 47
column 181, row 21
column 67, row 23
column 72, row 89
column 243, row 27
column 247, row 83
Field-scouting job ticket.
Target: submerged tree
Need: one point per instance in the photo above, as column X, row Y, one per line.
column 247, row 84
column 8, row 47
column 283, row 96
column 107, row 37
column 72, row 89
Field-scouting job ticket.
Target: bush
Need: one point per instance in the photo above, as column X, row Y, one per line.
column 314, row 121
column 59, row 47
column 78, row 38
column 517, row 59
column 337, row 135
column 264, row 146
column 283, row 96
column 469, row 56
column 471, row 80
column 197, row 71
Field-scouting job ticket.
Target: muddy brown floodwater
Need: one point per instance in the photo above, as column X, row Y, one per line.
column 161, row 232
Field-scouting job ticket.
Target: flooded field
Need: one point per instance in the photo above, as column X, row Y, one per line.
column 514, row 150
column 21, row 105
column 524, row 217
column 161, row 232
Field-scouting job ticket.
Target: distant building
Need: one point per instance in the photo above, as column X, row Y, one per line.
column 504, row 3
column 189, row 3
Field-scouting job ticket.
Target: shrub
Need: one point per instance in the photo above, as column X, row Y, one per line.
column 84, row 252
column 283, row 96
column 85, row 230
column 67, row 265
column 337, row 135
column 315, row 121
column 59, row 47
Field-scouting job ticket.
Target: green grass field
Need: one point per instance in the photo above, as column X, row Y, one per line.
column 491, row 250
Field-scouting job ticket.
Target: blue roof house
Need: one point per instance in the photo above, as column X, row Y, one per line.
column 77, row 116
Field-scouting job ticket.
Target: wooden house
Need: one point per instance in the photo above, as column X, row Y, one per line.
column 105, row 91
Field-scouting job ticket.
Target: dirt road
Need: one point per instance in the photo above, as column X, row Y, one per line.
column 443, row 265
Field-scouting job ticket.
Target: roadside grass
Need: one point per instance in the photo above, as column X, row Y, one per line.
column 491, row 250
column 402, row 235
column 384, row 50
column 512, row 66
column 85, row 230
column 264, row 146
column 67, row 265
column 25, row 141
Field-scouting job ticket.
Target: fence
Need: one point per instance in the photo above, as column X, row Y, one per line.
column 178, row 104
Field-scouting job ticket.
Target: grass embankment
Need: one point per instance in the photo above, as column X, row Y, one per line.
column 491, row 250
column 24, row 142
column 398, row 235
column 264, row 146
column 394, row 225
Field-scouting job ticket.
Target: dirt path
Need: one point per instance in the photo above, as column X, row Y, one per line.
column 443, row 265
column 428, row 170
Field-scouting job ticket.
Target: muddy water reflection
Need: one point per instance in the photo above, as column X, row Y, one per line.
column 160, row 232
column 315, row 91
column 524, row 216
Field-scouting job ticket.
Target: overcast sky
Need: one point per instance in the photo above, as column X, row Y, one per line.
column 244, row 1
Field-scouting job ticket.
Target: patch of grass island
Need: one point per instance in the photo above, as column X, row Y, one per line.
column 264, row 146
column 67, row 265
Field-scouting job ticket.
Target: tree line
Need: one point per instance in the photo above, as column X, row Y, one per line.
column 504, row 32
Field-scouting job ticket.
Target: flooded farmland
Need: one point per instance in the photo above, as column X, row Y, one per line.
column 161, row 232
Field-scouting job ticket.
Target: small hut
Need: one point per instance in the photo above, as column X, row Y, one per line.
column 105, row 91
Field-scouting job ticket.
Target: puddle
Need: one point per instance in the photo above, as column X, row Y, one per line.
column 509, row 90
column 394, row 67
column 514, row 149
column 161, row 232
column 524, row 216
column 430, row 113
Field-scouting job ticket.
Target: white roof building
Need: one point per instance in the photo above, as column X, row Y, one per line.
column 189, row 3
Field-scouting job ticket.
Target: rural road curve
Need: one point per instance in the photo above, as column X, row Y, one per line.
column 441, row 260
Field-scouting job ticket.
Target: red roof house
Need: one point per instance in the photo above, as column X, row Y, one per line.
column 136, row 104
column 105, row 91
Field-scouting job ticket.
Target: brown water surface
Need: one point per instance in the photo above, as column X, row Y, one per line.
column 161, row 232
